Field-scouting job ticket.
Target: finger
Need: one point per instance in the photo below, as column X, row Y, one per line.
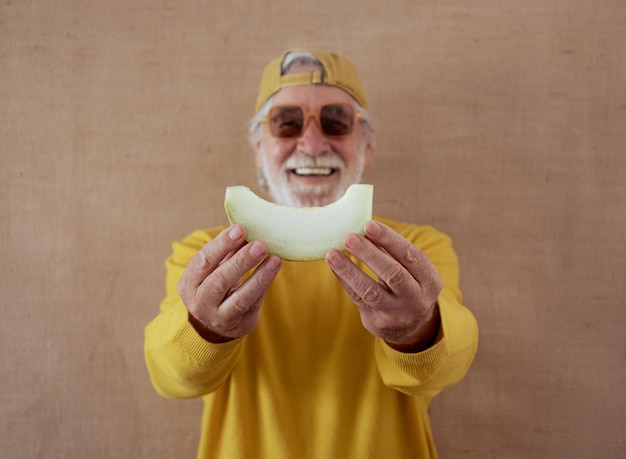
column 227, row 275
column 238, row 314
column 212, row 254
column 362, row 289
column 411, row 257
column 250, row 294
column 391, row 273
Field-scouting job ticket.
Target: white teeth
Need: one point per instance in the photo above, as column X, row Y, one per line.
column 313, row 171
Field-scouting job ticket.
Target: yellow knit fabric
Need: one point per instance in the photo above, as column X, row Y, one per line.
column 310, row 381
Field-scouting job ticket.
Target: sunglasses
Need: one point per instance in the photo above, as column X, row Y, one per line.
column 289, row 121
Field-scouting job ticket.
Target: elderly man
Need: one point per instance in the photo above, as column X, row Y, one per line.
column 336, row 358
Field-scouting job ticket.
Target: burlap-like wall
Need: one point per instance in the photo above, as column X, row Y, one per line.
column 501, row 123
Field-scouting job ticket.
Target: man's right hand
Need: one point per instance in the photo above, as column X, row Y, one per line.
column 221, row 306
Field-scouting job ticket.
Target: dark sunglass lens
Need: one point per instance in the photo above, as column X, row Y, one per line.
column 286, row 121
column 337, row 119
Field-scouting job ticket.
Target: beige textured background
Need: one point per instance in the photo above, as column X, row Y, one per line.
column 502, row 123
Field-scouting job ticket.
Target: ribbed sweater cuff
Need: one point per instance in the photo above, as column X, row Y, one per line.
column 197, row 348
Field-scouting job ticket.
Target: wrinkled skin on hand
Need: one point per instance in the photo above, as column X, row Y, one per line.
column 401, row 306
column 221, row 306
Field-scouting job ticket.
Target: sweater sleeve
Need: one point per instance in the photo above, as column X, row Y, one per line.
column 180, row 362
column 446, row 362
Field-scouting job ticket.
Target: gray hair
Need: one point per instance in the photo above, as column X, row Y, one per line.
column 295, row 60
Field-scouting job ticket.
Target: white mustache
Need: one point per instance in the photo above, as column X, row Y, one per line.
column 329, row 161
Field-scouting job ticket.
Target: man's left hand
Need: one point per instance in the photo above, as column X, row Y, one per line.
column 401, row 307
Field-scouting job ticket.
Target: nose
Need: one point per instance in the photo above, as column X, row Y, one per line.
column 312, row 142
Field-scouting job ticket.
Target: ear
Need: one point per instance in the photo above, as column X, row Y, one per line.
column 369, row 153
column 257, row 154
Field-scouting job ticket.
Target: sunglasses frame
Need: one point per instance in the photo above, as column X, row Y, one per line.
column 307, row 114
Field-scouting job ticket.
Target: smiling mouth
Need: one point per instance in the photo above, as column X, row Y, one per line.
column 313, row 171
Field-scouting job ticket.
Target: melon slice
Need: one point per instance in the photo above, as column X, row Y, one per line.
column 300, row 233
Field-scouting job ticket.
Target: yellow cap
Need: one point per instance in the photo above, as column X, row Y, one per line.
column 338, row 71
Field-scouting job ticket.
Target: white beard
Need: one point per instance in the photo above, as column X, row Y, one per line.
column 285, row 192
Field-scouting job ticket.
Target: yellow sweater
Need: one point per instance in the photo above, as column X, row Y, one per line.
column 310, row 381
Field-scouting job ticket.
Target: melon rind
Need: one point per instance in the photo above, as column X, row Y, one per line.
column 300, row 233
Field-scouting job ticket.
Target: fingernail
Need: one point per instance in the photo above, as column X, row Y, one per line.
column 235, row 233
column 353, row 241
column 372, row 228
column 273, row 263
column 257, row 249
column 334, row 258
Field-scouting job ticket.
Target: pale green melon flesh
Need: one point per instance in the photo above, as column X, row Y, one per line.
column 300, row 233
